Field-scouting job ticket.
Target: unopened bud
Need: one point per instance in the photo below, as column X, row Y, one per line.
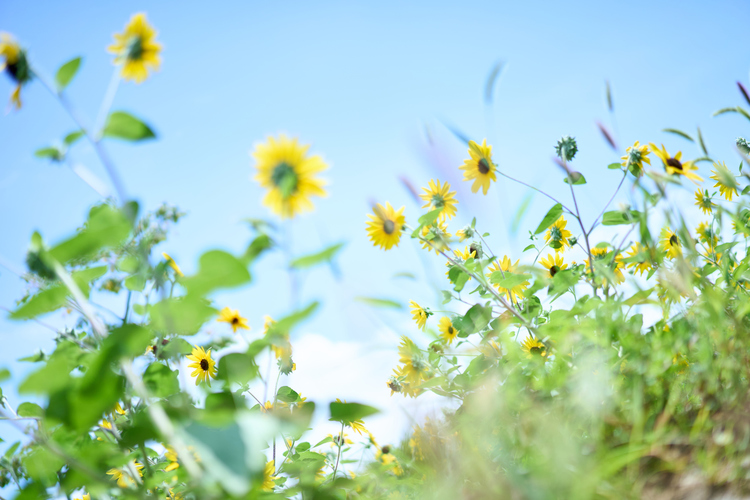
column 566, row 148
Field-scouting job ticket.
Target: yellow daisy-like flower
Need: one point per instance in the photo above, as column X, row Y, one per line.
column 336, row 440
column 670, row 243
column 84, row 497
column 553, row 263
column 118, row 409
column 706, row 234
column 635, row 156
column 136, row 49
column 384, row 228
column 172, row 264
column 232, row 316
column 123, row 477
column 288, row 173
column 703, row 201
column 674, row 165
column 171, row 455
column 532, row 347
column 479, row 167
column 15, row 64
column 724, row 180
column 447, row 331
column 435, row 237
column 419, row 313
column 600, row 254
column 505, row 265
column 461, row 256
column 440, row 197
column 204, row 366
column 557, row 236
column 268, row 477
column 414, row 368
column 357, row 426
column 465, row 233
column 643, row 264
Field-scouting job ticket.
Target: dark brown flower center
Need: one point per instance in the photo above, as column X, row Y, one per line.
column 673, row 240
column 389, row 226
column 674, row 163
column 386, row 450
column 553, row 271
column 450, row 330
column 204, row 365
column 536, row 350
column 235, row 320
column 483, row 166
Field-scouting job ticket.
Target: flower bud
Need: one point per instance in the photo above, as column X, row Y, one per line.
column 566, row 148
column 743, row 145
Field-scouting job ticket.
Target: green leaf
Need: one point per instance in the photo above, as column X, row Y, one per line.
column 349, row 412
column 375, row 302
column 54, row 154
column 238, row 367
column 616, row 217
column 66, row 73
column 701, row 143
column 324, row 255
column 639, row 297
column 430, row 217
column 122, row 125
column 576, row 177
column 475, row 320
column 678, row 132
column 73, row 137
column 615, row 166
column 181, row 315
column 30, row 410
column 287, row 395
column 160, row 380
column 510, row 280
column 106, row 227
column 284, row 325
column 553, row 214
column 217, row 269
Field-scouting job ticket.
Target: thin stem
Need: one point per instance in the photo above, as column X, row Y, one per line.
column 109, row 98
column 338, row 456
column 535, row 189
column 609, row 202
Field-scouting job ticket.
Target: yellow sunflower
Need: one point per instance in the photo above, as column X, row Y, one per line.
column 447, row 331
column 123, row 476
column 532, row 347
column 643, row 263
column 670, row 243
column 288, row 173
column 435, row 237
column 703, row 201
column 13, row 61
column 414, row 368
column 204, row 366
column 172, row 264
column 553, row 263
column 479, row 167
column 706, row 234
column 440, row 197
column 171, row 455
column 557, row 236
column 384, row 228
column 419, row 314
column 673, row 164
column 600, row 254
column 232, row 316
column 505, row 265
column 268, row 477
column 136, row 49
column 635, row 156
column 461, row 256
column 465, row 233
column 725, row 181
column 357, row 426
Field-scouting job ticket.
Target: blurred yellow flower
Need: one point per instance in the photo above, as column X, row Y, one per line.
column 204, row 366
column 643, row 263
column 172, row 264
column 384, row 228
column 635, row 156
column 440, row 197
column 232, row 316
column 268, row 477
column 553, row 263
column 447, row 331
column 673, row 164
column 123, row 476
column 725, row 181
column 289, row 174
column 419, row 314
column 514, row 292
column 136, row 49
column 15, row 64
column 532, row 347
column 557, row 236
column 670, row 243
column 703, row 201
column 171, row 455
column 435, row 237
column 479, row 167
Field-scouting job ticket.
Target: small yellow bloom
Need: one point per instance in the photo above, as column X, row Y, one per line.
column 533, row 347
column 172, row 264
column 171, row 455
column 673, row 164
column 289, row 174
column 84, row 497
column 232, row 316
column 123, row 476
column 725, row 181
column 557, row 236
column 357, row 426
column 136, row 49
column 644, row 263
column 440, row 197
column 447, row 331
column 515, row 292
column 479, row 167
column 419, row 314
column 553, row 263
column 268, row 477
column 435, row 237
column 13, row 62
column 703, row 201
column 415, row 368
column 384, row 228
column 670, row 243
column 204, row 366
column 706, row 234
column 635, row 156
column 601, row 254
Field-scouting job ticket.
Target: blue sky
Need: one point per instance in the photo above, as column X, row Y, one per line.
column 362, row 82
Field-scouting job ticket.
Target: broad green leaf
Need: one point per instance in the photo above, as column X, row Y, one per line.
column 260, row 244
column 4, row 374
column 376, row 302
column 30, row 410
column 553, row 214
column 122, row 125
column 73, row 137
column 106, row 227
column 678, row 132
column 475, row 320
column 616, row 217
column 238, row 367
column 577, row 179
column 56, row 296
column 217, row 269
column 54, row 154
column 510, row 280
column 639, row 297
column 160, row 381
column 287, row 395
column 615, row 166
column 430, row 217
column 66, row 73
column 181, row 315
column 284, row 325
column 324, row 255
column 348, row 412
